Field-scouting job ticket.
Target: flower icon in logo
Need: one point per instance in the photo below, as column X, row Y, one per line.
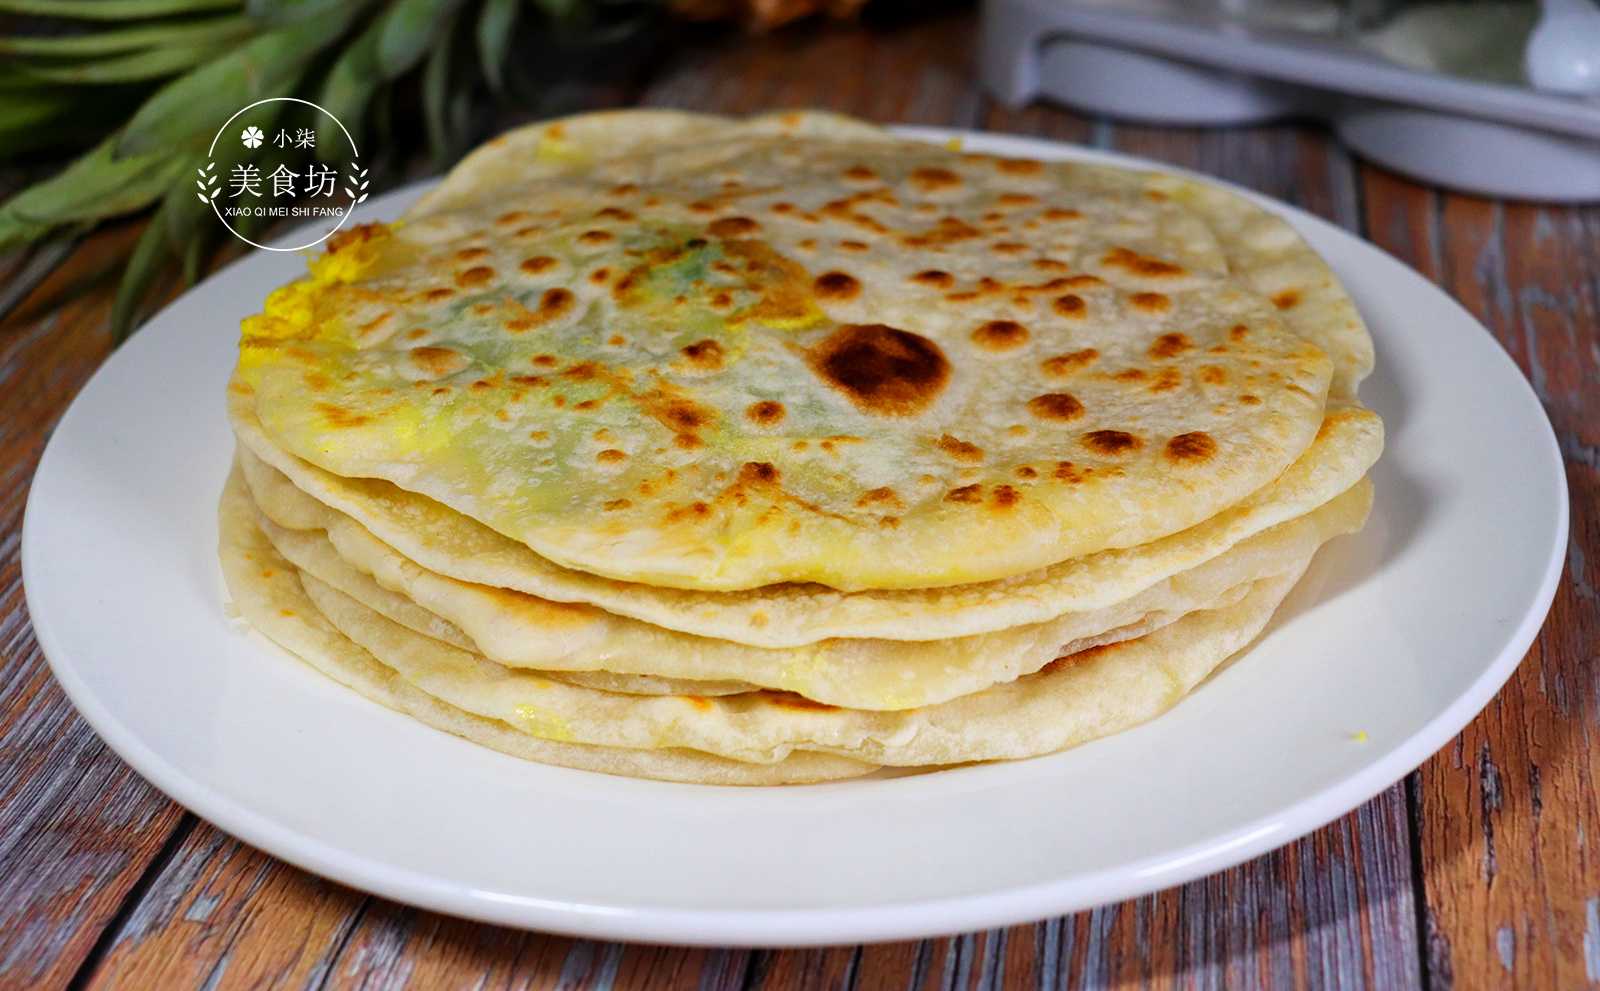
column 252, row 137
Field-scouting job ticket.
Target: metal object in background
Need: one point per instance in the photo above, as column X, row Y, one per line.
column 1434, row 90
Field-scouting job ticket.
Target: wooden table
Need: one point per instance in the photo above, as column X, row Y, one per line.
column 1475, row 871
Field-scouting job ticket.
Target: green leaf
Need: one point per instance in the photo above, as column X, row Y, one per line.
column 127, row 39
column 198, row 103
column 286, row 11
column 95, row 186
column 497, row 22
column 114, row 10
column 391, row 45
column 558, row 10
column 436, row 95
column 143, row 268
column 410, row 28
column 153, row 63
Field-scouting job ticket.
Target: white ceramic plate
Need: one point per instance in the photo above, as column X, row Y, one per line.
column 1396, row 638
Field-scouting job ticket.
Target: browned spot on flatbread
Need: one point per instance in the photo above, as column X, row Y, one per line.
column 935, row 278
column 1142, row 265
column 766, row 413
column 705, row 356
column 759, row 473
column 1018, row 166
column 1191, row 448
column 932, row 179
column 437, row 362
column 1111, row 442
column 554, row 303
column 537, row 264
column 966, row 493
column 1056, row 406
column 836, row 286
column 611, row 456
column 1287, row 300
column 959, row 449
column 1000, row 335
column 338, row 416
column 1150, row 302
column 1004, row 497
column 1064, row 365
column 881, row 369
column 358, row 234
column 1170, row 346
column 884, row 496
column 732, row 227
column 1071, row 305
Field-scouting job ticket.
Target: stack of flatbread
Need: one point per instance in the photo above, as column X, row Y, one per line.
column 783, row 449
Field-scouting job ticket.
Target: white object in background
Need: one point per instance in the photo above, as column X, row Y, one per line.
column 1563, row 54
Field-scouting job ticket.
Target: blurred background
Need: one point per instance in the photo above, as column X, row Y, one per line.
column 106, row 104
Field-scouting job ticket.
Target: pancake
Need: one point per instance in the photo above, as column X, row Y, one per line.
column 268, row 595
column 788, row 615
column 522, row 631
column 678, row 366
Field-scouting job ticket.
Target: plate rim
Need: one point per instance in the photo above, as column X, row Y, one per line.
column 879, row 921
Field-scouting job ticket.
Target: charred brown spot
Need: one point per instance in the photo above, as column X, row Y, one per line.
column 338, row 416
column 611, row 456
column 930, row 179
column 359, row 234
column 438, row 295
column 537, row 264
column 471, row 254
column 959, row 449
column 1249, row 400
column 836, row 286
column 731, row 227
column 438, row 362
column 1056, row 406
column 1191, row 447
column 706, row 355
column 616, row 504
column 1070, row 305
column 1018, row 166
column 1008, row 247
column 477, row 275
column 1027, row 471
column 512, row 217
column 613, row 213
column 1017, row 199
column 966, row 493
column 1150, row 302
column 596, row 238
column 1170, row 346
column 1060, row 214
column 1004, row 497
column 1142, row 265
column 766, row 413
column 1288, row 299
column 881, row 369
column 935, row 278
column 1111, row 442
column 1000, row 335
column 860, row 173
column 758, row 473
column 1166, row 380
column 1064, row 365
column 884, row 496
column 1238, row 332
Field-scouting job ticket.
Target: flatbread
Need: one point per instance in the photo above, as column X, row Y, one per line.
column 1088, row 694
column 268, row 595
column 518, row 630
column 785, row 351
column 297, row 494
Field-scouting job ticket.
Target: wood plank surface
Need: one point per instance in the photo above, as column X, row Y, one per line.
column 1473, row 873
